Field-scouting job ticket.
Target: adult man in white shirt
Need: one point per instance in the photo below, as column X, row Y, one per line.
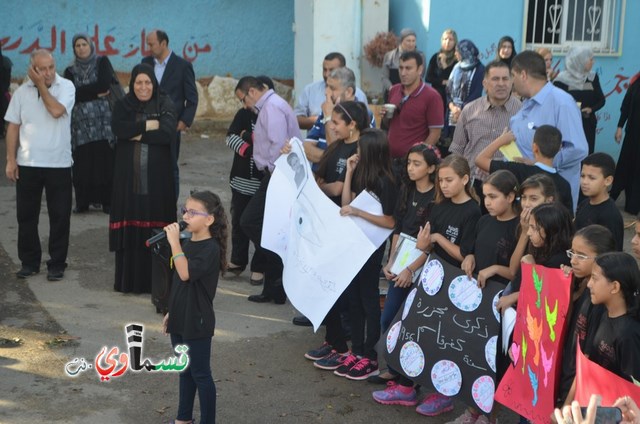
column 39, row 156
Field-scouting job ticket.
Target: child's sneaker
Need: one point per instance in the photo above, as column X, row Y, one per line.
column 319, row 353
column 332, row 361
column 347, row 364
column 435, row 404
column 363, row 369
column 396, row 394
column 468, row 418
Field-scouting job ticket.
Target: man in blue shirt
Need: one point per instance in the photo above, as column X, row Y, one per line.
column 547, row 105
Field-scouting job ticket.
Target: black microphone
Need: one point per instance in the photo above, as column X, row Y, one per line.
column 163, row 235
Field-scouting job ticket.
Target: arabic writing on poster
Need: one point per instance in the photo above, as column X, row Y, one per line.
column 56, row 40
column 528, row 387
column 446, row 334
column 111, row 363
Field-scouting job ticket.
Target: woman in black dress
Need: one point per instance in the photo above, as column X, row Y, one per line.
column 627, row 176
column 578, row 80
column 144, row 123
column 440, row 66
column 91, row 126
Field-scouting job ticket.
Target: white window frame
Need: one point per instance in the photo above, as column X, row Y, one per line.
column 612, row 17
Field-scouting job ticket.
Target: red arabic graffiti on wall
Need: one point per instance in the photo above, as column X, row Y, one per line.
column 105, row 46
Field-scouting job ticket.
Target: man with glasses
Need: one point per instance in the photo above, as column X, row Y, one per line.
column 418, row 116
column 276, row 124
column 39, row 156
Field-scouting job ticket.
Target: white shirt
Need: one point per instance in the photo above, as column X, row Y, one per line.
column 44, row 140
column 159, row 67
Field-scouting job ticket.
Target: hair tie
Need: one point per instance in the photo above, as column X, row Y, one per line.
column 345, row 111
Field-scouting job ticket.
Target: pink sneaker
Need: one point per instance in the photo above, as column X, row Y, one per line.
column 435, row 404
column 396, row 394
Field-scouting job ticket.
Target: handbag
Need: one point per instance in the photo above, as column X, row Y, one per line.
column 116, row 92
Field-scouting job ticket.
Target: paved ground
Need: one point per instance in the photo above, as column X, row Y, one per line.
column 257, row 363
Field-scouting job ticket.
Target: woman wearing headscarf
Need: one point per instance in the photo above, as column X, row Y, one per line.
column 506, row 50
column 391, row 60
column 91, row 126
column 583, row 84
column 627, row 176
column 5, row 82
column 441, row 64
column 465, row 81
column 144, row 123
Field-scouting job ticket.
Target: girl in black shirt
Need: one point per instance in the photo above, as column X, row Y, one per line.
column 369, row 169
column 191, row 320
column 615, row 283
column 587, row 243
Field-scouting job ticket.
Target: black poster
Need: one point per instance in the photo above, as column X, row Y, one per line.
column 445, row 337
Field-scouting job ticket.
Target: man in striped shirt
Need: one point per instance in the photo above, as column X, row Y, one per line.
column 484, row 119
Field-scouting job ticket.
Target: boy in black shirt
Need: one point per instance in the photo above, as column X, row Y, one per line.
column 596, row 178
column 547, row 141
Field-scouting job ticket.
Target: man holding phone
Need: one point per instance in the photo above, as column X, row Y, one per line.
column 39, row 156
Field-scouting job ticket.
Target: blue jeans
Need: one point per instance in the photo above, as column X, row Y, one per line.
column 392, row 304
column 196, row 377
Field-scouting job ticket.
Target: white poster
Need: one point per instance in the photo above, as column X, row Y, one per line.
column 321, row 250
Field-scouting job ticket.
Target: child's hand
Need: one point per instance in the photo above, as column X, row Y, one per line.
column 424, row 238
column 173, row 233
column 387, row 273
column 165, row 323
column 352, row 162
column 505, row 302
column 566, row 270
column 286, row 148
column 524, row 219
column 528, row 259
column 349, row 211
column 403, row 280
column 506, row 137
column 468, row 265
column 484, row 275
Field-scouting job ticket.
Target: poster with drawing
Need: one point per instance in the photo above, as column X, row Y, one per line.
column 528, row 386
column 321, row 250
column 445, row 337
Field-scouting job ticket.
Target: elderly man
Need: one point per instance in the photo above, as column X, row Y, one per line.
column 176, row 78
column 311, row 99
column 39, row 156
column 418, row 117
column 276, row 124
column 484, row 119
column 547, row 105
column 341, row 86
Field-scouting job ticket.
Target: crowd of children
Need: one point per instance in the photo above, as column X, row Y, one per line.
column 530, row 219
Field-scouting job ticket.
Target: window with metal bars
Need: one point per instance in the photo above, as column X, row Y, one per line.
column 562, row 24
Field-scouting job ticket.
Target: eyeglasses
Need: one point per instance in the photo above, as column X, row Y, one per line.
column 571, row 254
column 191, row 213
column 242, row 100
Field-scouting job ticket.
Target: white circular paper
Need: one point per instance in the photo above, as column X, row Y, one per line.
column 496, row 313
column 432, row 277
column 392, row 336
column 482, row 391
column 446, row 377
column 408, row 302
column 490, row 352
column 465, row 294
column 412, row 359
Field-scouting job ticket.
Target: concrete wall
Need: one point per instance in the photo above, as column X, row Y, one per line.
column 485, row 22
column 220, row 37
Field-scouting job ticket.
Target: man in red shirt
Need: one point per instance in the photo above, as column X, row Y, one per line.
column 418, row 116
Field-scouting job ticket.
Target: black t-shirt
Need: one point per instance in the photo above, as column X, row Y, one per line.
column 191, row 303
column 457, row 223
column 415, row 212
column 386, row 194
column 616, row 346
column 495, row 242
column 605, row 214
column 337, row 166
column 584, row 320
column 522, row 171
column 554, row 261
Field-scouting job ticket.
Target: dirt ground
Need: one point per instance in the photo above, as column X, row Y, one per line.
column 257, row 361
